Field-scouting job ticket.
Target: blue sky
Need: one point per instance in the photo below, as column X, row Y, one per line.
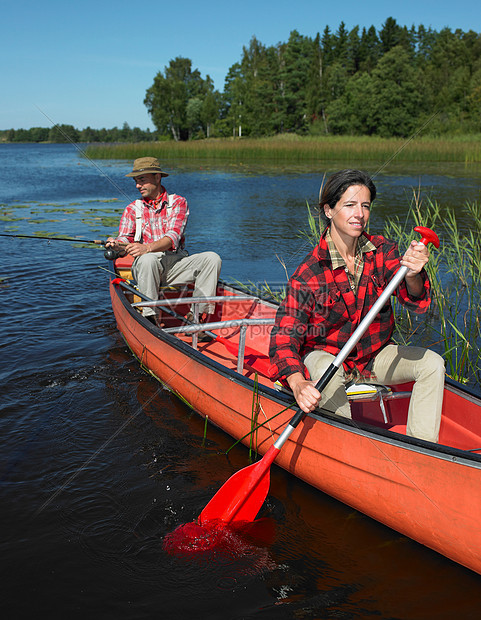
column 89, row 63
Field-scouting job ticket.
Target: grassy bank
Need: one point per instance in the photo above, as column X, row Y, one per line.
column 291, row 148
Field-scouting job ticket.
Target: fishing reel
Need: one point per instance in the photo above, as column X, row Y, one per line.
column 112, row 253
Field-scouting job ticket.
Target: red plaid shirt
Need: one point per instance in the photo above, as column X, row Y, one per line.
column 156, row 223
column 320, row 310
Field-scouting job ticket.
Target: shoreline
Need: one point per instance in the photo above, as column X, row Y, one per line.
column 297, row 149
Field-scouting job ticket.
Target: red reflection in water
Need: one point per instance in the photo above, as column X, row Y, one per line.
column 217, row 536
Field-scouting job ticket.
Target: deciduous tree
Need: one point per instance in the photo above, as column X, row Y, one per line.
column 167, row 100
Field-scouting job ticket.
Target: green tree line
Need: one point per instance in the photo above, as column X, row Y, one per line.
column 68, row 133
column 390, row 82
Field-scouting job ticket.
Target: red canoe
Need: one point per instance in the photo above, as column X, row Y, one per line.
column 428, row 492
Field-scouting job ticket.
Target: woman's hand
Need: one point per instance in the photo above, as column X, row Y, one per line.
column 417, row 255
column 305, row 392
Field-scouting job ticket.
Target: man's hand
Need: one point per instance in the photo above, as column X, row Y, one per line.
column 116, row 245
column 137, row 249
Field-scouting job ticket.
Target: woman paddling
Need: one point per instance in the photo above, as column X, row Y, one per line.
column 329, row 294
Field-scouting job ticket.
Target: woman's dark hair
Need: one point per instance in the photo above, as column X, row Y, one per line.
column 337, row 183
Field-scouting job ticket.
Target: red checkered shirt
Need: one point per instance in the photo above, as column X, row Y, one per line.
column 156, row 222
column 321, row 311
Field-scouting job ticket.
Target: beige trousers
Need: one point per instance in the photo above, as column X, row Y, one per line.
column 392, row 365
column 156, row 269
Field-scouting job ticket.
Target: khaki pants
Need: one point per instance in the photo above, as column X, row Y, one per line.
column 392, row 365
column 156, row 269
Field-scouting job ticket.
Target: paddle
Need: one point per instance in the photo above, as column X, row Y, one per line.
column 241, row 497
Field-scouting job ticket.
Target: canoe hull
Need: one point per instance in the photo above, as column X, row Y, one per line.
column 427, row 492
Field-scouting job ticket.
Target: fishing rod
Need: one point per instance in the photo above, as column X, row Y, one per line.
column 96, row 241
column 110, row 253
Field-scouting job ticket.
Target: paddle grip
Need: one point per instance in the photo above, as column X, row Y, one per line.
column 428, row 236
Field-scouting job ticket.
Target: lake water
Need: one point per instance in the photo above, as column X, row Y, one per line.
column 99, row 462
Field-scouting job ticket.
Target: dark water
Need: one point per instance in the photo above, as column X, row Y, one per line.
column 98, row 462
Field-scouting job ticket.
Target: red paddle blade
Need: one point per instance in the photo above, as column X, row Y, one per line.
column 242, row 496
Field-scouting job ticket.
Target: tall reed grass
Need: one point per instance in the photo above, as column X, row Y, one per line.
column 293, row 148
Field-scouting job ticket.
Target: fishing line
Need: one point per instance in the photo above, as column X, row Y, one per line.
column 403, row 146
column 132, row 417
column 99, row 169
column 397, row 467
column 112, row 273
column 104, row 445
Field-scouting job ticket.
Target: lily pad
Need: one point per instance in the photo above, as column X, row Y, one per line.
column 9, row 218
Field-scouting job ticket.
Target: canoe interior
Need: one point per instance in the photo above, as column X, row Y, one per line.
column 461, row 416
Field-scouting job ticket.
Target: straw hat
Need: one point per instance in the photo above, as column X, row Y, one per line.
column 146, row 165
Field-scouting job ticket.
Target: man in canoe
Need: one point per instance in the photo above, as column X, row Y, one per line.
column 329, row 294
column 153, row 229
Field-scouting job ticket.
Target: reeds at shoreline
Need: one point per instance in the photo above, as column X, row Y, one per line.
column 293, row 148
